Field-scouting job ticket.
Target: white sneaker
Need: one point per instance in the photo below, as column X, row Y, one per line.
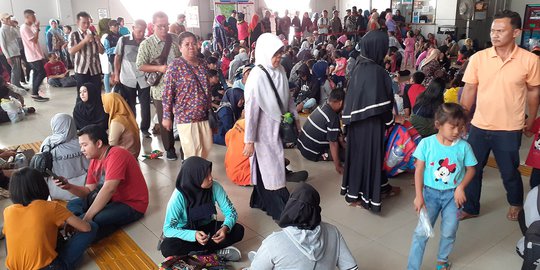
column 229, row 253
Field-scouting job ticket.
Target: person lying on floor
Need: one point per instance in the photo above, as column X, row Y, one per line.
column 8, row 90
column 34, row 245
column 115, row 193
column 321, row 137
column 190, row 219
column 305, row 242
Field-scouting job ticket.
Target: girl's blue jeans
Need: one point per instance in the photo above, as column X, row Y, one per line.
column 436, row 201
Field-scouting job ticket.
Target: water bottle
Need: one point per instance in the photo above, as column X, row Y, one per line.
column 396, row 156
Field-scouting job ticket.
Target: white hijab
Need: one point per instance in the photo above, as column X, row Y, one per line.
column 257, row 84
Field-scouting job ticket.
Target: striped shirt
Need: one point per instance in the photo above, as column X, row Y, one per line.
column 86, row 60
column 321, row 128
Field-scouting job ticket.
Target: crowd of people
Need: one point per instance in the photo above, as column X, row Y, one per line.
column 240, row 88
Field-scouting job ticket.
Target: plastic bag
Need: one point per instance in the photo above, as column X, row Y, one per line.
column 427, row 229
column 14, row 109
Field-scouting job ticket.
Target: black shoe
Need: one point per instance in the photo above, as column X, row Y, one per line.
column 40, row 98
column 146, row 134
column 171, row 155
column 299, row 176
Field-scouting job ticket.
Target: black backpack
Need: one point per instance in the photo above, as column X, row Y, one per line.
column 43, row 161
column 531, row 256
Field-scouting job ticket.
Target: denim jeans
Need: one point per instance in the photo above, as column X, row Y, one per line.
column 436, row 201
column 112, row 217
column 505, row 146
column 70, row 254
column 37, row 76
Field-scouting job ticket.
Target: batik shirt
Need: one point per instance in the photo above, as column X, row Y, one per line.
column 183, row 96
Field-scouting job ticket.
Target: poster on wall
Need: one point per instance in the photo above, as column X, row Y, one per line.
column 102, row 13
column 192, row 17
column 224, row 9
column 248, row 9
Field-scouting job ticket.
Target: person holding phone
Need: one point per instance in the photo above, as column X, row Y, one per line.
column 190, row 220
column 39, row 250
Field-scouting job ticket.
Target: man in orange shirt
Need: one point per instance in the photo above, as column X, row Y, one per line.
column 504, row 80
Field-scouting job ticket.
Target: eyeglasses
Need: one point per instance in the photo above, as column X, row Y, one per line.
column 162, row 26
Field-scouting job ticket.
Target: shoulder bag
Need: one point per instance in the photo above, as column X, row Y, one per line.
column 287, row 127
column 212, row 116
column 91, row 197
column 153, row 78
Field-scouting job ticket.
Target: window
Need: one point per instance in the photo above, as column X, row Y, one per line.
column 416, row 11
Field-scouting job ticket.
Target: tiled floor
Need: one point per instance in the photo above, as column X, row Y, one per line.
column 377, row 241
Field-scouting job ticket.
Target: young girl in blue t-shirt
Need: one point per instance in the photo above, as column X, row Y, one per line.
column 444, row 167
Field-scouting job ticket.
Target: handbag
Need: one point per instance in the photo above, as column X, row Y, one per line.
column 153, row 78
column 212, row 116
column 91, row 197
column 287, row 127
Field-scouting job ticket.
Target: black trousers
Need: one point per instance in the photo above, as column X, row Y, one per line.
column 177, row 246
column 167, row 136
column 130, row 95
column 87, row 78
column 37, row 76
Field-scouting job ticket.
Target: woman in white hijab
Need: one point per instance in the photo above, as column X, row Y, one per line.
column 68, row 160
column 263, row 116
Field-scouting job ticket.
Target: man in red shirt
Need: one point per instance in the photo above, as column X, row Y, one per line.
column 122, row 194
column 57, row 74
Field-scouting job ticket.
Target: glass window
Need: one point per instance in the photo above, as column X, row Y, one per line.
column 416, row 11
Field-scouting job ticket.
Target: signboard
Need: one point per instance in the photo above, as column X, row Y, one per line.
column 102, row 13
column 192, row 17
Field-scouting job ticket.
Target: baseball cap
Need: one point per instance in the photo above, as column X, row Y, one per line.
column 5, row 15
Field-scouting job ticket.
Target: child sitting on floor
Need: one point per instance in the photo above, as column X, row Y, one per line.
column 444, row 167
column 452, row 94
column 216, row 89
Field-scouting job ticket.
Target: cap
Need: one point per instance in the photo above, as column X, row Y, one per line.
column 348, row 43
column 5, row 15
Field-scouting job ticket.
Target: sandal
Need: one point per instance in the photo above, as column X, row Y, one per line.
column 394, row 191
column 445, row 266
column 464, row 215
column 513, row 213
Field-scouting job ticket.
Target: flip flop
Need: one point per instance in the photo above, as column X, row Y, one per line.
column 513, row 213
column 464, row 215
column 394, row 191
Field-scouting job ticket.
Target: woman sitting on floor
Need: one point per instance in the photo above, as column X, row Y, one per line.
column 305, row 242
column 423, row 112
column 123, row 128
column 89, row 108
column 230, row 110
column 190, row 225
column 31, row 227
column 68, row 160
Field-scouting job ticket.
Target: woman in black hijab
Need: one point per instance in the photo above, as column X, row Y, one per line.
column 367, row 111
column 89, row 108
column 305, row 242
column 190, row 220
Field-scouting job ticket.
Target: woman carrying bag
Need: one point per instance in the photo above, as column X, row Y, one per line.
column 264, row 115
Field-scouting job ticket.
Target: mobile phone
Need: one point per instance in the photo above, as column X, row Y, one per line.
column 49, row 172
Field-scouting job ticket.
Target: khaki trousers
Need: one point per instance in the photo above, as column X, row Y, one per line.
column 196, row 139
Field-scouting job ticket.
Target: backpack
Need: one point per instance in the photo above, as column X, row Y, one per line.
column 531, row 256
column 43, row 161
column 406, row 137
